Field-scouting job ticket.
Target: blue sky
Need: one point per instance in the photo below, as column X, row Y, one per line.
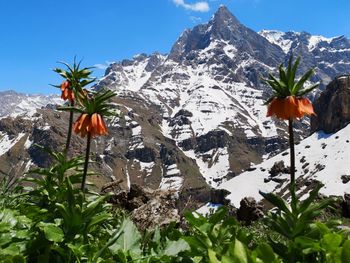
column 36, row 34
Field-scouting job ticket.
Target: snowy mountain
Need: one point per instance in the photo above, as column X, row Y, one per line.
column 330, row 55
column 18, row 104
column 209, row 93
column 194, row 118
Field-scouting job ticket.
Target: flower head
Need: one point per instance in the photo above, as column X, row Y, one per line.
column 93, row 124
column 75, row 79
column 67, row 92
column 287, row 101
column 290, row 108
column 93, row 108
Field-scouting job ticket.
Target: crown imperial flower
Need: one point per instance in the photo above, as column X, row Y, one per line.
column 67, row 92
column 93, row 124
column 290, row 107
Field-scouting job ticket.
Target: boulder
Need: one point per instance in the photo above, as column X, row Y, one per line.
column 249, row 210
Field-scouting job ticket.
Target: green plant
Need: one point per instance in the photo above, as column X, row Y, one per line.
column 14, row 235
column 92, row 106
column 75, row 80
column 219, row 238
column 287, row 103
column 293, row 222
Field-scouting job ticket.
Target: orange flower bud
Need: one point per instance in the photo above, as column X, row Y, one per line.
column 67, row 93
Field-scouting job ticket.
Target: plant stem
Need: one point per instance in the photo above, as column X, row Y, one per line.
column 292, row 161
column 69, row 136
column 87, row 155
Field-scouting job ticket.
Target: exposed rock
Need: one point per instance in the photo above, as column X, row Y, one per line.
column 168, row 156
column 345, row 178
column 211, row 140
column 144, row 154
column 218, row 196
column 332, row 108
column 279, row 168
column 184, row 113
column 14, row 126
column 249, row 210
column 157, row 212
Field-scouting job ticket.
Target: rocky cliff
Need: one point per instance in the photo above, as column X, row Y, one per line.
column 332, row 108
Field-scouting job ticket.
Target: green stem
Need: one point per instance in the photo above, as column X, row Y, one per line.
column 69, row 136
column 87, row 155
column 292, row 162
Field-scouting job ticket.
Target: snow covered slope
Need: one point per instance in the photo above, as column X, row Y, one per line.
column 330, row 56
column 15, row 104
column 322, row 157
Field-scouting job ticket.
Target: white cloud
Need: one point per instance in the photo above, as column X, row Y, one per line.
column 101, row 66
column 198, row 6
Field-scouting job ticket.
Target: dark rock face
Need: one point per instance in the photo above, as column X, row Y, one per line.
column 168, row 156
column 332, row 108
column 249, row 210
column 149, row 208
column 211, row 140
column 218, row 196
column 145, row 154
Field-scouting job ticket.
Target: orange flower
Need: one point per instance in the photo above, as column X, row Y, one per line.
column 67, row 93
column 290, row 108
column 93, row 124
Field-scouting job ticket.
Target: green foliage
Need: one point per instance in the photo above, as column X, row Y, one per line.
column 304, row 240
column 95, row 102
column 14, row 233
column 286, row 85
column 77, row 77
column 220, row 238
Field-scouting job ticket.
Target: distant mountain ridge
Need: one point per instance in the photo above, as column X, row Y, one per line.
column 19, row 104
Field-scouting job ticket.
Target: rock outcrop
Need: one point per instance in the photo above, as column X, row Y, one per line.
column 249, row 210
column 332, row 108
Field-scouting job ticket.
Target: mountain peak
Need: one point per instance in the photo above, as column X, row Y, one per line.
column 224, row 16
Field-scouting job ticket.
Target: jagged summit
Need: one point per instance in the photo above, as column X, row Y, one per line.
column 224, row 28
column 223, row 15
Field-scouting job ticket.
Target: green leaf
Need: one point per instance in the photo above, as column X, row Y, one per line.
column 345, row 254
column 129, row 240
column 212, row 256
column 277, row 201
column 331, row 241
column 301, row 81
column 239, row 252
column 52, row 232
column 307, row 90
column 312, row 196
column 265, row 252
column 173, row 248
